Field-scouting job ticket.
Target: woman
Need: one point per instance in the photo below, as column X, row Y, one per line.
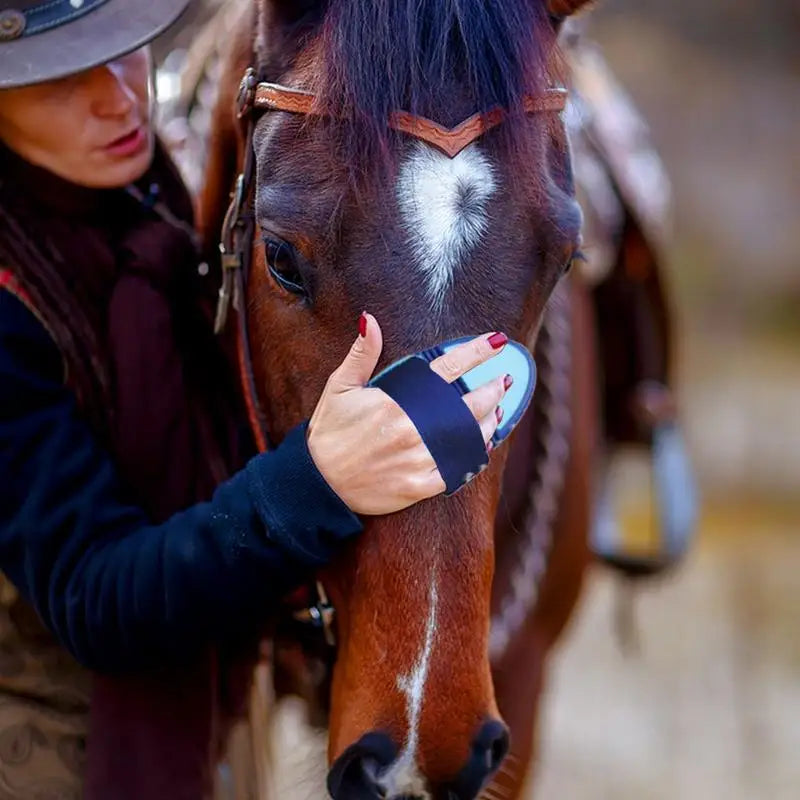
column 124, row 526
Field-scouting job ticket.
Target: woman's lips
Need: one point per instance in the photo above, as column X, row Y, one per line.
column 129, row 145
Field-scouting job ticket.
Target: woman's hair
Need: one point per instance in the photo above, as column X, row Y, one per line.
column 71, row 264
column 40, row 268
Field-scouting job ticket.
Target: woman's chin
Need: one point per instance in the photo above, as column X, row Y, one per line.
column 115, row 172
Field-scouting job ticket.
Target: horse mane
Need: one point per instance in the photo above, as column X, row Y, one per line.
column 386, row 55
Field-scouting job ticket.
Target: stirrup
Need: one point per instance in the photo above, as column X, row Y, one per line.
column 675, row 503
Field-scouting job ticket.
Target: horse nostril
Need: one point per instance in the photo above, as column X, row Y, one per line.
column 493, row 740
column 499, row 749
column 489, row 748
column 353, row 775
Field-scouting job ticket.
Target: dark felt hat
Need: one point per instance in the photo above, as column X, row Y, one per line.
column 41, row 40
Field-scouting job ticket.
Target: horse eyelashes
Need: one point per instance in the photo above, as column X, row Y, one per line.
column 578, row 255
column 282, row 266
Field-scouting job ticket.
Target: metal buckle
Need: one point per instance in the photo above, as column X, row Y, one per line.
column 230, row 252
column 232, row 217
column 321, row 615
column 246, row 98
column 232, row 248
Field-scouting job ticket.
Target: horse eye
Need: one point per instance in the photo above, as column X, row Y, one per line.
column 282, row 265
column 578, row 255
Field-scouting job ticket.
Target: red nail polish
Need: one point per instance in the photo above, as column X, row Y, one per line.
column 362, row 325
column 498, row 412
column 507, row 382
column 497, row 340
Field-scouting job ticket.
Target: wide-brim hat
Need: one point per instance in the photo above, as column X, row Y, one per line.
column 41, row 40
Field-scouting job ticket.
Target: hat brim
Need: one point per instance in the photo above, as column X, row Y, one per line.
column 110, row 31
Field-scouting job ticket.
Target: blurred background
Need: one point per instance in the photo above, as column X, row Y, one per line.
column 709, row 706
column 705, row 701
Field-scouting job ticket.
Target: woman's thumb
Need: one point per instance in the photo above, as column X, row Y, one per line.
column 360, row 362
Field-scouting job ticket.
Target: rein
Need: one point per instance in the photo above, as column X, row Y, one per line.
column 554, row 430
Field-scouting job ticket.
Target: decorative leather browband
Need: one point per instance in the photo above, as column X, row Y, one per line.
column 451, row 141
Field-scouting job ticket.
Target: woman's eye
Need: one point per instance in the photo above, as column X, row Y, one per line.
column 282, row 265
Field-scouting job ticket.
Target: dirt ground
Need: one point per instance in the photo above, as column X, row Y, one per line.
column 710, row 708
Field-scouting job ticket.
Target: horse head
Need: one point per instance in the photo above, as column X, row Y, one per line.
column 355, row 212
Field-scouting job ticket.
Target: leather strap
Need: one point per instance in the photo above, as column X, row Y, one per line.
column 274, row 97
column 451, row 141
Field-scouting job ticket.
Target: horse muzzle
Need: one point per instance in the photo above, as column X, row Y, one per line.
column 374, row 769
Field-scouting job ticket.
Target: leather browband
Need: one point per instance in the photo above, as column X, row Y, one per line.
column 451, row 141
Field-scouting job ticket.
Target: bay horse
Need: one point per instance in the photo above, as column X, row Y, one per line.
column 446, row 612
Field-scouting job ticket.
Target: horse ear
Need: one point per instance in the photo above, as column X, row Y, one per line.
column 565, row 8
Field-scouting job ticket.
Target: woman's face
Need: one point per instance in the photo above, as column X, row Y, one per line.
column 93, row 129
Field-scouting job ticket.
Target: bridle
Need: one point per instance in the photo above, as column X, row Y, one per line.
column 256, row 97
column 236, row 245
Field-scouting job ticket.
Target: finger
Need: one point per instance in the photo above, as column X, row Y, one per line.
column 360, row 362
column 489, row 425
column 486, row 398
column 465, row 356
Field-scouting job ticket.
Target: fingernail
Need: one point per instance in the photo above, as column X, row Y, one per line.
column 507, row 382
column 489, row 446
column 498, row 412
column 497, row 340
column 362, row 324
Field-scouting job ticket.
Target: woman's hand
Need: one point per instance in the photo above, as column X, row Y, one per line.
column 364, row 444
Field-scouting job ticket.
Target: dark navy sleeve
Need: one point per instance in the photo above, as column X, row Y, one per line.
column 117, row 591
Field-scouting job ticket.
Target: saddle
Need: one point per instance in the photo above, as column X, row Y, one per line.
column 625, row 196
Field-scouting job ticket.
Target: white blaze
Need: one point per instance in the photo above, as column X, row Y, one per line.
column 443, row 205
column 403, row 777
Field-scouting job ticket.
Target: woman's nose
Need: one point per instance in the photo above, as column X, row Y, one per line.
column 113, row 96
